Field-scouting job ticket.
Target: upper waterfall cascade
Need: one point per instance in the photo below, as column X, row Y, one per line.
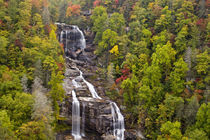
column 72, row 38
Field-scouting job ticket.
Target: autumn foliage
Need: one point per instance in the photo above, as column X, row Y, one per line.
column 125, row 73
column 35, row 3
column 73, row 9
column 96, row 3
column 39, row 3
column 201, row 23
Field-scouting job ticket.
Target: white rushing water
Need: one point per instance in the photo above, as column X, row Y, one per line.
column 92, row 90
column 82, row 39
column 72, row 30
column 75, row 117
column 83, row 119
column 61, row 37
column 118, row 122
column 66, row 48
column 75, row 84
column 90, row 86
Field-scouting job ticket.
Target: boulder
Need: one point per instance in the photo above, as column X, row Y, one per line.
column 108, row 137
column 89, row 49
column 82, row 92
column 132, row 134
column 71, row 73
column 88, row 75
column 72, row 54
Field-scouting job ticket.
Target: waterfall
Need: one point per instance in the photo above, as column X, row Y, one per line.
column 75, row 40
column 61, row 37
column 90, row 86
column 92, row 89
column 66, row 48
column 82, row 39
column 83, row 119
column 75, row 117
column 74, row 37
column 76, row 85
column 118, row 122
column 75, row 113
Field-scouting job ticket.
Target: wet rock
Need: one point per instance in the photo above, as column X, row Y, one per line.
column 108, row 137
column 89, row 49
column 67, row 86
column 82, row 92
column 98, row 118
column 78, row 79
column 71, row 73
column 68, row 138
column 106, row 110
column 72, row 62
column 131, row 134
column 82, row 57
column 101, row 90
column 78, row 52
column 72, row 54
column 88, row 75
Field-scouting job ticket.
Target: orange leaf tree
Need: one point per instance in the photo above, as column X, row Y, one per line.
column 73, row 9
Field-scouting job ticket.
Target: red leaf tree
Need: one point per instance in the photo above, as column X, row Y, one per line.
column 96, row 3
column 125, row 73
column 73, row 9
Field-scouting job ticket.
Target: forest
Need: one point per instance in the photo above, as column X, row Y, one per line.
column 153, row 55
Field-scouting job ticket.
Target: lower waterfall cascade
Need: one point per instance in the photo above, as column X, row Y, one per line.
column 118, row 122
column 75, row 117
column 118, row 119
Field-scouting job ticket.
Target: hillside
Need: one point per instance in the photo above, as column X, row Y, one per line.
column 150, row 57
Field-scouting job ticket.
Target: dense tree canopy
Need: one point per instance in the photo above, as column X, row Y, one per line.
column 162, row 63
column 29, row 48
column 155, row 53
